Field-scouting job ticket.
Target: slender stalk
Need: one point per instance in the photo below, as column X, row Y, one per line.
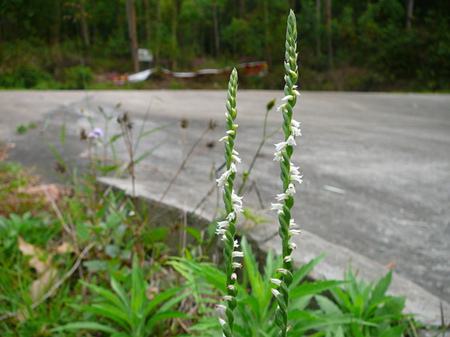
column 233, row 205
column 289, row 175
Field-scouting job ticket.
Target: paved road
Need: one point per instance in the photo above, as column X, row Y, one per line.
column 376, row 166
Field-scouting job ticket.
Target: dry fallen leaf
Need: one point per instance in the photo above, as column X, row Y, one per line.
column 64, row 247
column 4, row 149
column 51, row 192
column 41, row 261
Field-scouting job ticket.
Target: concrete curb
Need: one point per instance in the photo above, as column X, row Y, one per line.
column 419, row 301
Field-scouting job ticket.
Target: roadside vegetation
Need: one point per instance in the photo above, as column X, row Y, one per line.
column 88, row 260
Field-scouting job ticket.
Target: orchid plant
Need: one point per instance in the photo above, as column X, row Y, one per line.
column 233, row 206
column 290, row 175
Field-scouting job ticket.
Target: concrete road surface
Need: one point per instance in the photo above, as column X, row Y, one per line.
column 376, row 166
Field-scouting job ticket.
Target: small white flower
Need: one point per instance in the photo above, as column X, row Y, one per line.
column 287, row 258
column 228, row 298
column 223, row 178
column 236, row 244
column 230, row 287
column 278, row 156
column 236, row 159
column 222, row 224
column 281, row 197
column 275, row 292
column 295, row 126
column 287, row 98
column 234, row 276
column 276, row 281
column 282, row 271
column 281, row 107
column 295, row 174
column 294, row 169
column 220, row 231
column 291, row 141
column 237, row 202
column 294, row 231
column 292, row 245
column 231, row 132
column 279, row 147
column 237, row 254
column 236, row 265
column 221, row 308
column 292, row 223
column 224, row 138
column 277, row 207
column 231, row 216
column 222, row 321
column 290, row 191
column 233, row 168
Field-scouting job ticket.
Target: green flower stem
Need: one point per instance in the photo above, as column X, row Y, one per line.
column 233, row 206
column 289, row 174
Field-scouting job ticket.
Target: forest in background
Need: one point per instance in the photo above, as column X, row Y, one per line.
column 368, row 45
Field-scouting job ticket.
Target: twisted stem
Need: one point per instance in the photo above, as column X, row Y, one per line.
column 233, row 206
column 289, row 174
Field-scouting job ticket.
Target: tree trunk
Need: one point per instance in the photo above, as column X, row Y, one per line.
column 131, row 15
column 318, row 22
column 158, row 33
column 328, row 17
column 176, row 7
column 241, row 7
column 267, row 32
column 216, row 28
column 84, row 25
column 148, row 28
column 409, row 13
column 56, row 26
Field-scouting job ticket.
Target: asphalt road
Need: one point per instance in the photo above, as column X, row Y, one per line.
column 376, row 166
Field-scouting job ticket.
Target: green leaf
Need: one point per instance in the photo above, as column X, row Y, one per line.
column 393, row 332
column 120, row 292
column 137, row 286
column 327, row 305
column 312, row 288
column 160, row 298
column 305, row 269
column 380, row 289
column 106, row 294
column 109, row 311
column 86, row 326
column 162, row 317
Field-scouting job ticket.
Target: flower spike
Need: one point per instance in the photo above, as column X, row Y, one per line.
column 233, row 206
column 289, row 175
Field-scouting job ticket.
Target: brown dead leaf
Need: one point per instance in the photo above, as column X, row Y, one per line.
column 42, row 283
column 41, row 261
column 64, row 247
column 50, row 192
column 4, row 149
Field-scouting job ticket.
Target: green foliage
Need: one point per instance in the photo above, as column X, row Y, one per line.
column 77, row 77
column 255, row 312
column 372, row 47
column 126, row 311
column 368, row 302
